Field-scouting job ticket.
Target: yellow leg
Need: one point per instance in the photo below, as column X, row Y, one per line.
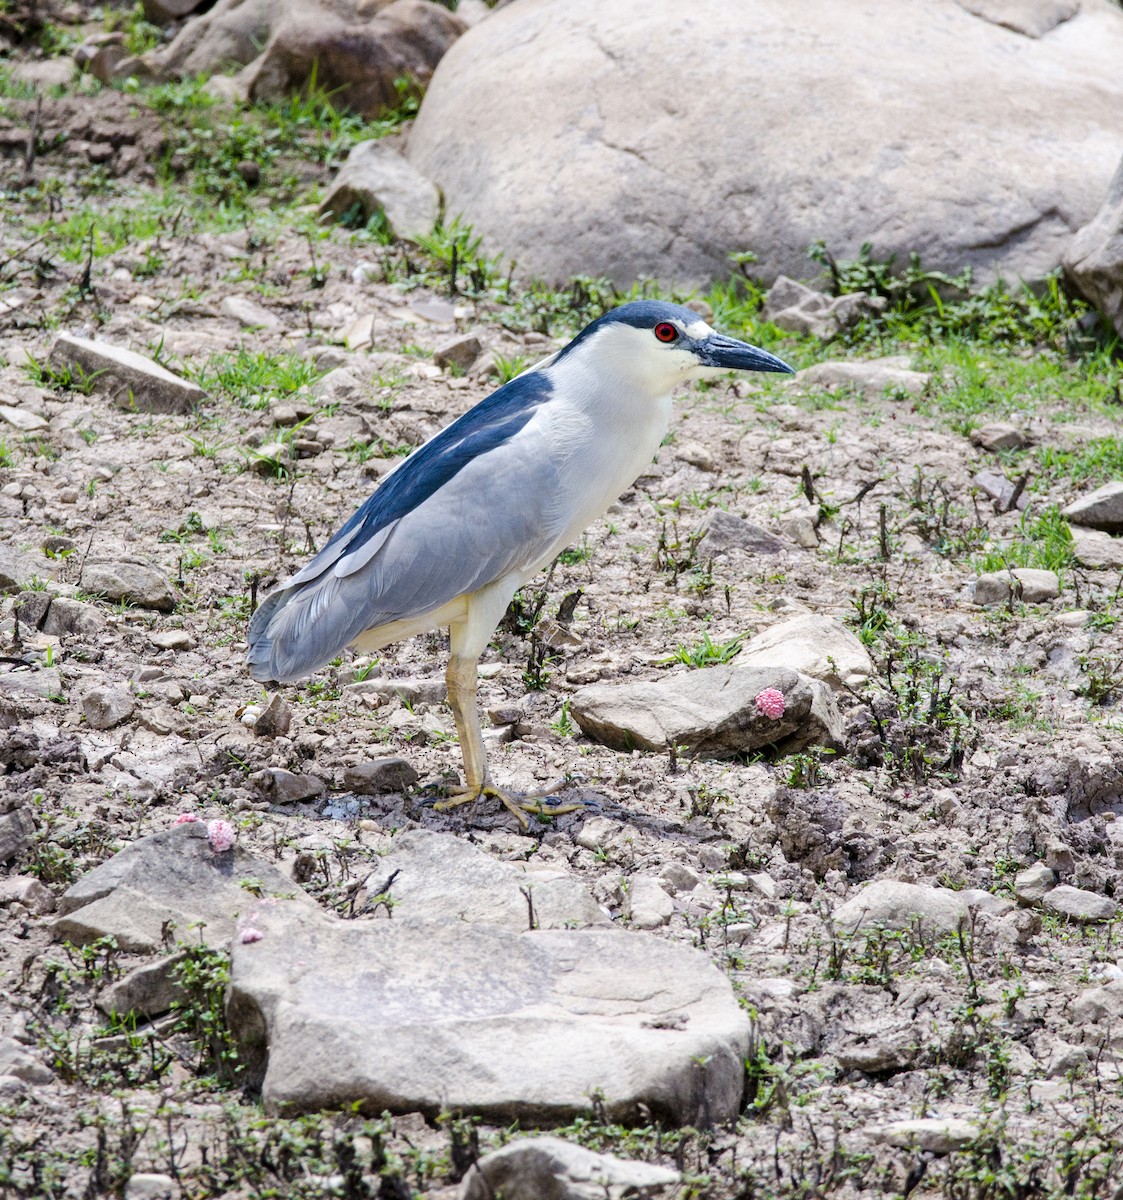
column 461, row 680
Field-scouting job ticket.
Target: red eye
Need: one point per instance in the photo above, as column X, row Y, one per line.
column 665, row 331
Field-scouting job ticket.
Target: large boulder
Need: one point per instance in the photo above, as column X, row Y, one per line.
column 419, row 1016
column 653, row 137
column 1094, row 260
column 354, row 49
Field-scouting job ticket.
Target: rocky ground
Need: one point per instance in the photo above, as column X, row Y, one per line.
column 957, row 1036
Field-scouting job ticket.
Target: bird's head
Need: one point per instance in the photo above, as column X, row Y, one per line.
column 663, row 345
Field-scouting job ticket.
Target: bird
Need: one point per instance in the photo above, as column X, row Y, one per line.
column 454, row 530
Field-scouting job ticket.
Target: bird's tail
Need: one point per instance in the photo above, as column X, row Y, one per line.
column 299, row 629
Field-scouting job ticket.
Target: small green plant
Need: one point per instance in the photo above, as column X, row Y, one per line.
column 706, row 653
column 203, row 974
column 510, row 367
column 69, row 377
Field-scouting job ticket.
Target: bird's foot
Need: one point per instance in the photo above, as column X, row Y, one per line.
column 518, row 804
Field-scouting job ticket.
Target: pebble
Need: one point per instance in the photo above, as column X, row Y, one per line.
column 172, row 639
column 150, row 1186
column 1031, row 884
column 28, row 891
column 380, row 776
column 106, row 707
column 286, row 787
column 597, row 833
column 937, row 1135
column 649, row 905
column 1033, row 586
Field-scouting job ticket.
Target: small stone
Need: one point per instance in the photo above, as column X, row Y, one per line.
column 763, row 885
column 380, row 776
column 678, row 877
column 150, row 1186
column 801, row 530
column 285, row 787
column 72, row 618
column 172, row 639
column 376, row 178
column 548, row 1168
column 161, row 719
column 1101, row 509
column 999, row 435
column 16, row 831
column 596, row 833
column 17, row 1061
column 12, row 1088
column 873, row 379
column 813, row 644
column 132, row 381
column 106, row 707
column 132, row 583
column 148, row 990
column 1079, row 905
column 1000, row 490
column 937, row 1135
column 21, row 419
column 649, row 906
column 898, row 905
column 28, row 891
column 696, row 455
column 1031, row 884
column 249, row 313
column 275, row 719
column 1097, row 550
column 413, row 691
column 1026, row 583
column 458, row 352
column 30, row 608
column 725, row 532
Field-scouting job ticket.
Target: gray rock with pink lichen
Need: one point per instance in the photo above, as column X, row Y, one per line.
column 715, row 712
column 184, row 882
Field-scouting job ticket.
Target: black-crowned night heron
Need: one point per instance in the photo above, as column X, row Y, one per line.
column 452, row 532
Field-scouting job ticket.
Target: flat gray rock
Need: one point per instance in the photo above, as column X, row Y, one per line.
column 872, row 379
column 609, row 157
column 712, row 711
column 724, row 532
column 1097, row 550
column 132, row 381
column 1101, row 509
column 418, row 1016
column 938, row 1135
column 376, row 177
column 1031, row 884
column 169, row 881
column 133, row 583
column 812, row 644
column 548, row 1168
column 897, row 905
column 1029, row 584
column 439, row 877
column 1079, row 905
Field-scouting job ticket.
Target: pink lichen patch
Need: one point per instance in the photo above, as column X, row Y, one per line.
column 770, row 703
column 221, row 835
column 251, row 935
column 185, row 819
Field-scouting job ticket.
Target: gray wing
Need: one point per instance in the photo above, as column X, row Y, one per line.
column 499, row 513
